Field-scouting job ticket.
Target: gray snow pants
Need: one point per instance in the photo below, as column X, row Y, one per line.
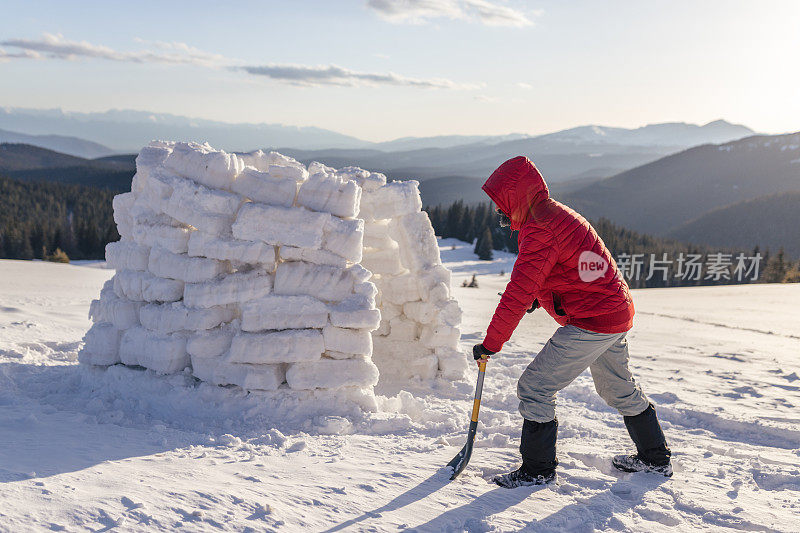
column 570, row 351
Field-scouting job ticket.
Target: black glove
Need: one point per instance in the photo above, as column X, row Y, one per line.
column 534, row 307
column 479, row 351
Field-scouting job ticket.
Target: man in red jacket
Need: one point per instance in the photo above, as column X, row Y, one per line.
column 564, row 267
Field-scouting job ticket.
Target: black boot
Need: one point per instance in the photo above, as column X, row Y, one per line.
column 538, row 449
column 652, row 453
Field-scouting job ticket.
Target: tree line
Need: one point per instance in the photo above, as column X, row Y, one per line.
column 40, row 219
column 645, row 260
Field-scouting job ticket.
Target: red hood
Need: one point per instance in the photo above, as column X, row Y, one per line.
column 515, row 187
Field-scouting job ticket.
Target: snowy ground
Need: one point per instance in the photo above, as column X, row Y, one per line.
column 90, row 450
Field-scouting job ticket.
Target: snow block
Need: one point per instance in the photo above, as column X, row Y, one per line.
column 323, row 282
column 356, row 341
column 234, row 250
column 204, row 165
column 210, row 211
column 402, row 329
column 356, row 312
column 120, row 312
column 383, row 262
column 331, row 374
column 452, row 363
column 329, row 193
column 210, row 343
column 101, row 345
column 262, row 161
column 400, row 361
column 450, row 313
column 440, row 335
column 344, row 238
column 127, row 255
column 394, row 200
column 419, row 248
column 431, row 277
column 168, row 318
column 399, row 290
column 145, row 287
column 422, row 312
column 122, row 204
column 218, row 371
column 165, row 264
column 172, row 238
column 266, row 188
column 151, row 156
column 233, row 288
column 283, row 312
column 290, row 346
column 369, row 181
column 165, row 354
column 279, row 225
column 312, row 255
column 157, row 189
column 376, row 235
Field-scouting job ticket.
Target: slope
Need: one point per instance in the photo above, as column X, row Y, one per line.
column 59, row 143
column 24, row 162
column 767, row 221
column 659, row 196
column 132, row 450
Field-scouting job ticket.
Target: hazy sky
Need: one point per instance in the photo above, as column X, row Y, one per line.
column 381, row 69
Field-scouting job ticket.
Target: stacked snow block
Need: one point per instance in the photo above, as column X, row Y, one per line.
column 253, row 270
column 418, row 335
column 242, row 270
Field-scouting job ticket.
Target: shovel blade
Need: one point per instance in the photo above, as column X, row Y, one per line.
column 459, row 462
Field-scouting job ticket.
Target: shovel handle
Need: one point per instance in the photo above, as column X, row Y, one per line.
column 476, row 404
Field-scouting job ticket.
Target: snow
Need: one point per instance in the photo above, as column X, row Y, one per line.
column 165, row 264
column 132, row 450
column 236, row 288
column 288, row 346
column 284, row 312
column 280, row 225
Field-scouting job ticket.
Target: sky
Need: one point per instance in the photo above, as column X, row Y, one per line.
column 383, row 69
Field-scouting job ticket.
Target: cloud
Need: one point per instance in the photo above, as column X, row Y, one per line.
column 56, row 47
column 523, row 85
column 310, row 76
column 484, row 98
column 485, row 12
column 51, row 46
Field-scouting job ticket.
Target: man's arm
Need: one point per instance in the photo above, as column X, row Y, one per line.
column 536, row 258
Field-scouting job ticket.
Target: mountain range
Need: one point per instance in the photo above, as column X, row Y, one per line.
column 121, row 131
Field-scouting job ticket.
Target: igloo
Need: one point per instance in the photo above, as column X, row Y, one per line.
column 252, row 270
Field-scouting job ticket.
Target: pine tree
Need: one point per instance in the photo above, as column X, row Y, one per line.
column 483, row 248
column 776, row 268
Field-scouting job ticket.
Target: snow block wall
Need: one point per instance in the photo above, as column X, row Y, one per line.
column 253, row 270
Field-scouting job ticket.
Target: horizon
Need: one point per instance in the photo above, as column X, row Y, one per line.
column 392, row 139
column 380, row 71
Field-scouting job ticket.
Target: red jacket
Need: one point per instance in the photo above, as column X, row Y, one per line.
column 562, row 261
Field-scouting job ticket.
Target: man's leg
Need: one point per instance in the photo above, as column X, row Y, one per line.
column 568, row 353
column 615, row 384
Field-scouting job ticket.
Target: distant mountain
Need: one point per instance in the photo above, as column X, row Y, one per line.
column 444, row 141
column 128, row 131
column 678, row 134
column 660, row 196
column 768, row 221
column 59, row 143
column 24, row 162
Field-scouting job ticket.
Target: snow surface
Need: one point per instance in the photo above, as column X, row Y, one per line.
column 85, row 449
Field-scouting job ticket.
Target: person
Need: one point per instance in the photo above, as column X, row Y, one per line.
column 564, row 267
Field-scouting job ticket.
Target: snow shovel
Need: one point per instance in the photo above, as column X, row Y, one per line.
column 459, row 462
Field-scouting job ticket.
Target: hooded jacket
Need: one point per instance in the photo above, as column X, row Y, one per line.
column 562, row 262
